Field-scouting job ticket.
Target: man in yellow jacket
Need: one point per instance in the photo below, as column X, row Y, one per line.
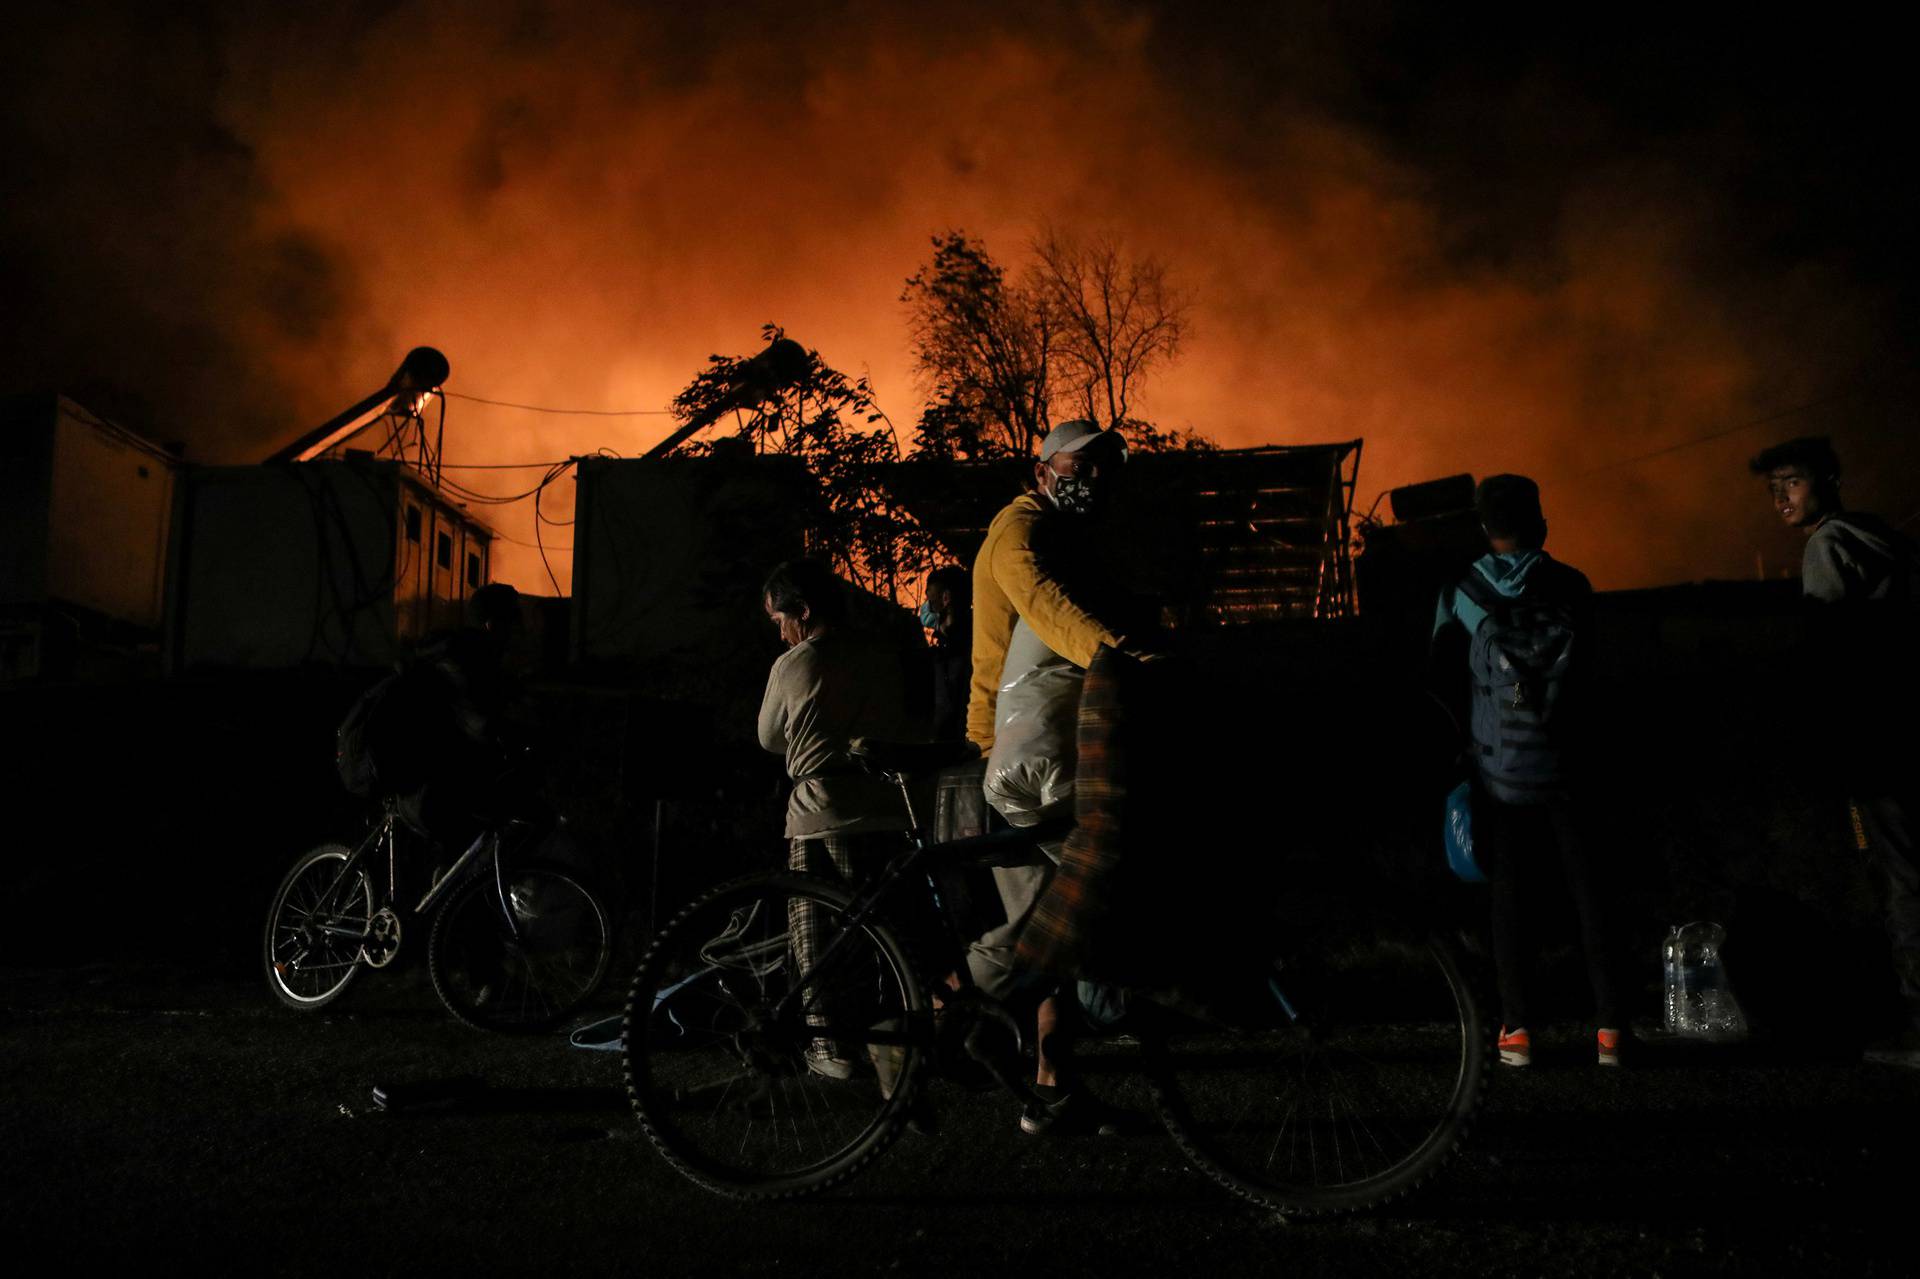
column 1017, row 577
column 1015, row 574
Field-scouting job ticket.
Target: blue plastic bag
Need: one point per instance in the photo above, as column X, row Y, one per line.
column 605, row 1035
column 1459, row 835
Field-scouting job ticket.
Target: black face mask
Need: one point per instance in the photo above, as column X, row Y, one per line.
column 1073, row 495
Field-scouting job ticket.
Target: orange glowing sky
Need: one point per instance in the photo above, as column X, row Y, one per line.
column 578, row 203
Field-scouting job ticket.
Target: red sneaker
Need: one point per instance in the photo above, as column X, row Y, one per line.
column 1516, row 1049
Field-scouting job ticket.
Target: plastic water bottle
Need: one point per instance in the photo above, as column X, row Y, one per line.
column 1706, row 1007
column 1670, row 982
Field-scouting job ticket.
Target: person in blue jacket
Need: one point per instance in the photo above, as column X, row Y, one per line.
column 1526, row 620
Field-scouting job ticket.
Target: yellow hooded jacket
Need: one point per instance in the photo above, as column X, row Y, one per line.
column 1009, row 583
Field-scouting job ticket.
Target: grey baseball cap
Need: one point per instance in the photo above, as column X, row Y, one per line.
column 1071, row 437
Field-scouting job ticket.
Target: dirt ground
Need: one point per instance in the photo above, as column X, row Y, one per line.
column 161, row 1117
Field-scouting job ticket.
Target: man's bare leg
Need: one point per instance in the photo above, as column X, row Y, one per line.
column 1045, row 1022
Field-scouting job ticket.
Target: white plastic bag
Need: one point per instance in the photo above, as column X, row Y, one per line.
column 1036, row 722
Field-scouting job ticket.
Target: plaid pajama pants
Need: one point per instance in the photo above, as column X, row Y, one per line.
column 848, row 859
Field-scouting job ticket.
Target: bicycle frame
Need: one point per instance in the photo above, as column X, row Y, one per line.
column 1009, row 847
column 1342, row 1034
column 385, row 831
column 382, row 830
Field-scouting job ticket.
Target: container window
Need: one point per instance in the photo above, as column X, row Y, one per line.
column 443, row 551
column 413, row 523
column 473, row 570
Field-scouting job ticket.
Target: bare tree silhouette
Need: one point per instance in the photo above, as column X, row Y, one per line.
column 1077, row 334
column 1119, row 319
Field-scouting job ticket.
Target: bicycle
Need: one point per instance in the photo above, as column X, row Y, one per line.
column 1340, row 1069
column 511, row 947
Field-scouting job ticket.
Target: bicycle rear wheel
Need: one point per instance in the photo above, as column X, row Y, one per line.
column 1347, row 1076
column 721, row 1024
column 315, row 929
column 528, row 976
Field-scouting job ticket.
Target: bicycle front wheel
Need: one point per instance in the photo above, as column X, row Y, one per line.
column 315, row 928
column 771, row 1047
column 527, row 971
column 1341, row 1079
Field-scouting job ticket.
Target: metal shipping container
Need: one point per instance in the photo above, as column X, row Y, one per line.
column 84, row 511
column 336, row 561
column 669, row 555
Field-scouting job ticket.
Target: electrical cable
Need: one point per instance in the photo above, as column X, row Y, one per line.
column 1822, row 402
column 501, row 466
column 542, row 408
column 489, row 500
column 532, row 546
column 122, row 434
column 538, row 540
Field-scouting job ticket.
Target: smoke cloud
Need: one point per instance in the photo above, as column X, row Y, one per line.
column 1475, row 255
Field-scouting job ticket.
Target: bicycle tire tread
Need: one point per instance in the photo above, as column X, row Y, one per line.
column 320, row 852
column 1307, row 1207
column 898, row 1108
column 435, row 949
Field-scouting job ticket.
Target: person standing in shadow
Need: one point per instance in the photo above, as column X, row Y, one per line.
column 947, row 612
column 1860, row 578
column 1528, row 624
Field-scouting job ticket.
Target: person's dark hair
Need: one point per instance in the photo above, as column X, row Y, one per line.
column 811, row 583
column 493, row 606
column 952, row 577
column 1509, row 506
column 1814, row 452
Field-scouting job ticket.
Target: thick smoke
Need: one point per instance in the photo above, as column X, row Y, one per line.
column 228, row 227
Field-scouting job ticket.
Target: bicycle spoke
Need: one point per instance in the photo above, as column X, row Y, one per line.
column 526, row 971
column 1356, row 1112
column 775, row 995
column 306, row 964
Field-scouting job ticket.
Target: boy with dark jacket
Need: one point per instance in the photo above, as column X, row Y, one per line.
column 1859, row 578
column 1527, row 623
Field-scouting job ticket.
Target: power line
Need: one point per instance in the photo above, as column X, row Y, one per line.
column 542, row 408
column 501, row 466
column 1822, row 402
column 540, row 542
column 532, row 546
column 554, row 472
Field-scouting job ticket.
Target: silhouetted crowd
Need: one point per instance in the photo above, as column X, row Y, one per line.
column 1018, row 643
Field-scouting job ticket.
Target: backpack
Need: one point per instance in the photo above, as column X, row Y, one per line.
column 1519, row 659
column 384, row 744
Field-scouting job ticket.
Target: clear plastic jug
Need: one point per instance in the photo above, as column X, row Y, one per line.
column 1699, row 997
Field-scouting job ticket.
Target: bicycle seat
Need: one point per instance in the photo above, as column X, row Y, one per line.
column 879, row 756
